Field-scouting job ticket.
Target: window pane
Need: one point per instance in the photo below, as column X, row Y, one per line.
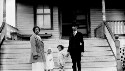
column 43, row 17
column 46, row 10
column 39, row 11
column 40, row 21
column 47, row 21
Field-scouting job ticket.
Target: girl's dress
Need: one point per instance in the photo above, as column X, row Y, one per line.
column 61, row 58
column 49, row 61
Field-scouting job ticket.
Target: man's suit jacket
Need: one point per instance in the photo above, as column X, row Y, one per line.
column 76, row 44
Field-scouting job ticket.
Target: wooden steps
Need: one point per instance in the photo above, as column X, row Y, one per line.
column 15, row 55
column 84, row 59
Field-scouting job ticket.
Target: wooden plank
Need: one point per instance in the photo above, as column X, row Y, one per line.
column 17, row 66
column 15, row 61
column 16, row 46
column 27, row 54
column 93, row 69
column 20, row 50
column 68, row 65
column 82, row 69
column 96, row 19
column 99, row 53
column 17, row 70
column 94, row 64
column 15, row 56
column 84, row 59
column 91, row 59
column 16, row 51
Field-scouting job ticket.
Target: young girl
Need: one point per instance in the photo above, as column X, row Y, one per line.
column 49, row 60
column 61, row 57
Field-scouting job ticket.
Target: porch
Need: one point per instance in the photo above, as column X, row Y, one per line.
column 60, row 16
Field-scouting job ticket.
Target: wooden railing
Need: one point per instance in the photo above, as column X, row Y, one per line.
column 110, row 37
column 11, row 29
column 117, row 27
column 6, row 30
column 2, row 32
column 2, row 26
column 104, row 31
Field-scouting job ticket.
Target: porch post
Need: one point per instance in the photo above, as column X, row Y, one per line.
column 1, row 11
column 34, row 12
column 103, row 11
column 4, row 10
column 103, row 17
column 11, row 12
column 4, row 18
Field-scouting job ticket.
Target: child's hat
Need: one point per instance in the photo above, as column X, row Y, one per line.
column 50, row 49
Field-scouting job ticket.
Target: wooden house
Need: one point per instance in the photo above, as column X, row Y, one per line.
column 56, row 17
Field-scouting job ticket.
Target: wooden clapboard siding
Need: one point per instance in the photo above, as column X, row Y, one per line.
column 95, row 18
column 115, row 14
column 25, row 21
column 25, row 17
column 111, row 15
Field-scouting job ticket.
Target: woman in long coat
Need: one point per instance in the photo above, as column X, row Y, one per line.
column 37, row 51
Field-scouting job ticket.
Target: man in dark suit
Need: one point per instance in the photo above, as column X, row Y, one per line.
column 76, row 48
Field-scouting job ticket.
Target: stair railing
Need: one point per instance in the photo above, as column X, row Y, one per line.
column 117, row 27
column 2, row 32
column 5, row 31
column 104, row 31
column 11, row 29
column 110, row 37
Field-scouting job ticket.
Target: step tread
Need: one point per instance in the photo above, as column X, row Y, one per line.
column 83, row 59
column 27, row 54
column 27, row 49
column 67, row 65
column 82, row 69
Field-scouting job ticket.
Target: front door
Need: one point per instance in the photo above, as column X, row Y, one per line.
column 68, row 16
column 81, row 19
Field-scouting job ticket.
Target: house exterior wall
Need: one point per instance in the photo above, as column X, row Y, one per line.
column 95, row 19
column 25, row 21
column 111, row 15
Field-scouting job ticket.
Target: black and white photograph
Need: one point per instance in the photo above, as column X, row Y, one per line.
column 62, row 35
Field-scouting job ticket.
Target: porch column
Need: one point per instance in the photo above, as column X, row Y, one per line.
column 10, row 12
column 1, row 11
column 103, row 11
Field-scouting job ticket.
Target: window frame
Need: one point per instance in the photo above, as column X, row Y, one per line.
column 51, row 17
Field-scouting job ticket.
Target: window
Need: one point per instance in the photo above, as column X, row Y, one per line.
column 44, row 17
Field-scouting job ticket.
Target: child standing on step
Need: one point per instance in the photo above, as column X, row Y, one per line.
column 61, row 57
column 49, row 60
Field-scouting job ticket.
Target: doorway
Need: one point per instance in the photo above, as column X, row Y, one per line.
column 79, row 16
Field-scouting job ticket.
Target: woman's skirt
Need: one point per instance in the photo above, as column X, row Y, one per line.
column 38, row 66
